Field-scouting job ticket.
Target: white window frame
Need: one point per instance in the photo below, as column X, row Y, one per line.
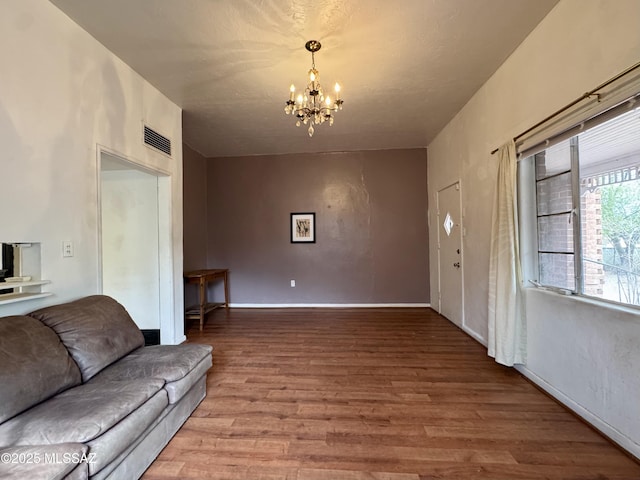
column 527, row 199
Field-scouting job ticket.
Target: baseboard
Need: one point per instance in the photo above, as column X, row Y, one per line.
column 612, row 433
column 476, row 336
column 329, row 305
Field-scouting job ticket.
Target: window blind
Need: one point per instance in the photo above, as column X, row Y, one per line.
column 617, row 97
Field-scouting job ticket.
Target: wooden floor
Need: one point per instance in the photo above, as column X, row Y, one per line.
column 402, row 394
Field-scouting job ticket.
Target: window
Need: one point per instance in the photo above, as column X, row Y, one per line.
column 586, row 190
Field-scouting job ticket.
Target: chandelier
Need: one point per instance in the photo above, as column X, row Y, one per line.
column 313, row 107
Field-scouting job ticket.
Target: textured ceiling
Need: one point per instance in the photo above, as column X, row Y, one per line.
column 406, row 66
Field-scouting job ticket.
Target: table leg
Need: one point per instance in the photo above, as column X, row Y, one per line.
column 203, row 301
column 226, row 290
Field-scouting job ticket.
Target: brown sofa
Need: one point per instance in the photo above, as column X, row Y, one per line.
column 82, row 397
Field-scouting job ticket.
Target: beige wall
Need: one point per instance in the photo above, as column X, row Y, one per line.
column 584, row 353
column 195, row 216
column 195, row 209
column 371, row 224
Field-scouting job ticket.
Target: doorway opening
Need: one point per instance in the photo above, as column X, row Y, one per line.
column 135, row 243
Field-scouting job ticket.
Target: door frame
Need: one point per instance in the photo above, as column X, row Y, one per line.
column 438, row 234
column 165, row 240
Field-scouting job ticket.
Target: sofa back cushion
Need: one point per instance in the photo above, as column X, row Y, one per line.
column 96, row 330
column 34, row 365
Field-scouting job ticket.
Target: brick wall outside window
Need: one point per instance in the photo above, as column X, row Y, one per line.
column 593, row 274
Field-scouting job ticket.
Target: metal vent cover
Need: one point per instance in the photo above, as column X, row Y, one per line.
column 156, row 140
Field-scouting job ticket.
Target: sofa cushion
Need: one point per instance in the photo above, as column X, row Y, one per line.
column 45, row 462
column 178, row 365
column 179, row 388
column 109, row 446
column 79, row 414
column 96, row 330
column 34, row 365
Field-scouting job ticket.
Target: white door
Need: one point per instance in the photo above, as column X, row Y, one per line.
column 450, row 254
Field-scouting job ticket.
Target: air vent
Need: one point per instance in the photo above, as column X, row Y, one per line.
column 157, row 141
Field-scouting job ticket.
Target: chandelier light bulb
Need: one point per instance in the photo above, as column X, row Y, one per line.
column 311, row 106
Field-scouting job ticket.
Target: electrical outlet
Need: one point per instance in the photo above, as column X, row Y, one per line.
column 67, row 248
column 293, row 283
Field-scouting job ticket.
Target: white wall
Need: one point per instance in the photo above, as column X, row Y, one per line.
column 62, row 94
column 582, row 352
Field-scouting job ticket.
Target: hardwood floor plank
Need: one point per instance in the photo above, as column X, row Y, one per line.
column 376, row 452
column 318, row 474
column 372, row 394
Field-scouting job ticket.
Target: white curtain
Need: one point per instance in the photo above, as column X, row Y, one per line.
column 507, row 326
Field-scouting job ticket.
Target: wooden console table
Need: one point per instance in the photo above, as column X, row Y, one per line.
column 202, row 278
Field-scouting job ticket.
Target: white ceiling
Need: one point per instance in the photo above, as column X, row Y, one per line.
column 406, row 66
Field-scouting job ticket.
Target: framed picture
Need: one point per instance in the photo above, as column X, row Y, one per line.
column 303, row 227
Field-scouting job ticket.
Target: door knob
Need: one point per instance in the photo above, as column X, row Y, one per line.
column 457, row 264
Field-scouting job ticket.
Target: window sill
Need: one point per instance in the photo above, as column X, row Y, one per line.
column 597, row 302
